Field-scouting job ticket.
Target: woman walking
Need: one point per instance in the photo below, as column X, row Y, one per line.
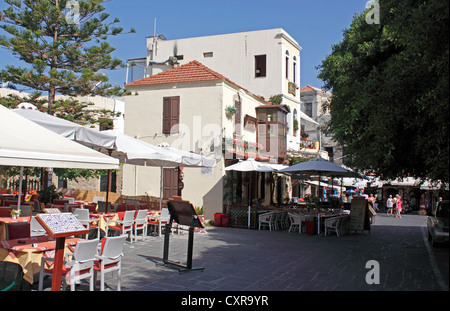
column 399, row 207
column 389, row 205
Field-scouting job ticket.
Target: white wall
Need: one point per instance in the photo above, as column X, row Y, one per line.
column 202, row 117
column 233, row 57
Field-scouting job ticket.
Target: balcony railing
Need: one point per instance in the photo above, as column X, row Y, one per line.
column 311, row 145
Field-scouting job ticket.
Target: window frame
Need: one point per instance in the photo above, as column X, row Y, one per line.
column 171, row 115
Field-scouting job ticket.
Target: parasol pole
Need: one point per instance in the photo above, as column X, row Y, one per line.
column 249, row 198
column 20, row 188
column 160, row 199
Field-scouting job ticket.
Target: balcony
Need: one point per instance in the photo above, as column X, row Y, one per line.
column 309, row 146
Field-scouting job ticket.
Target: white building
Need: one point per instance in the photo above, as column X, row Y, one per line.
column 186, row 108
column 265, row 62
column 313, row 101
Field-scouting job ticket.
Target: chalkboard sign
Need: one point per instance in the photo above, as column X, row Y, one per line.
column 359, row 217
column 61, row 224
column 183, row 213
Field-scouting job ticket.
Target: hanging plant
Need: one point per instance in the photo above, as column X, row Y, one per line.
column 230, row 111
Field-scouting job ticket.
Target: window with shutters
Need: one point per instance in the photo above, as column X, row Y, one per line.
column 171, row 114
column 237, row 118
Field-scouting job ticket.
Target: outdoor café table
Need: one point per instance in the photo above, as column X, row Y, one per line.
column 321, row 219
column 28, row 252
column 103, row 218
column 7, row 220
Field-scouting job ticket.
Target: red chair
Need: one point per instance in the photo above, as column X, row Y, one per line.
column 110, row 259
column 18, row 230
column 9, row 202
column 143, row 206
column 123, row 225
column 131, row 207
column 81, row 265
column 60, row 202
column 91, row 207
column 5, row 212
column 121, row 207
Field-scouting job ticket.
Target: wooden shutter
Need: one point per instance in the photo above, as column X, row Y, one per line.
column 237, row 118
column 166, row 115
column 171, row 114
column 174, row 114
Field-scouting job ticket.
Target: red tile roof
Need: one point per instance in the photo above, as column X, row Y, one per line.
column 308, row 88
column 190, row 72
column 193, row 71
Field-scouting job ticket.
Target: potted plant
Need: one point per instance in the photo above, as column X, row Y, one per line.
column 295, row 127
column 230, row 111
column 305, row 136
column 49, row 194
column 15, row 213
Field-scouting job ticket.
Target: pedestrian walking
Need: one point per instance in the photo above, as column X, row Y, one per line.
column 371, row 200
column 399, row 207
column 389, row 205
column 375, row 203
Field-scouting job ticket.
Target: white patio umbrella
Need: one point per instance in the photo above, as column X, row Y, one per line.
column 137, row 152
column 319, row 167
column 190, row 159
column 249, row 165
column 24, row 143
column 71, row 130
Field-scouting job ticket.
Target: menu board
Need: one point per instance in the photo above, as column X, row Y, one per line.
column 359, row 218
column 61, row 224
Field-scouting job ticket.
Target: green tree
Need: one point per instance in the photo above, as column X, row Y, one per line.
column 63, row 44
column 390, row 102
column 65, row 53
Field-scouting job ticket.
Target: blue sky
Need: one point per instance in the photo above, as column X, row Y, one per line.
column 315, row 25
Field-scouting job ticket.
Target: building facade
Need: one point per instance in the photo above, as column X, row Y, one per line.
column 190, row 107
column 266, row 62
column 313, row 100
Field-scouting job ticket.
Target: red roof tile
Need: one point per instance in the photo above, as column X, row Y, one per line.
column 308, row 88
column 190, row 72
column 193, row 71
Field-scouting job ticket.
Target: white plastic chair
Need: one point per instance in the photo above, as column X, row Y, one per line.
column 333, row 224
column 276, row 220
column 110, row 259
column 343, row 225
column 124, row 226
column 69, row 207
column 284, row 220
column 266, row 219
column 36, row 228
column 82, row 215
column 81, row 266
column 96, row 199
column 296, row 222
column 140, row 223
column 25, row 210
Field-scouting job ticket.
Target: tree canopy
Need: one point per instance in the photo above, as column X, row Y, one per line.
column 64, row 44
column 390, row 104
